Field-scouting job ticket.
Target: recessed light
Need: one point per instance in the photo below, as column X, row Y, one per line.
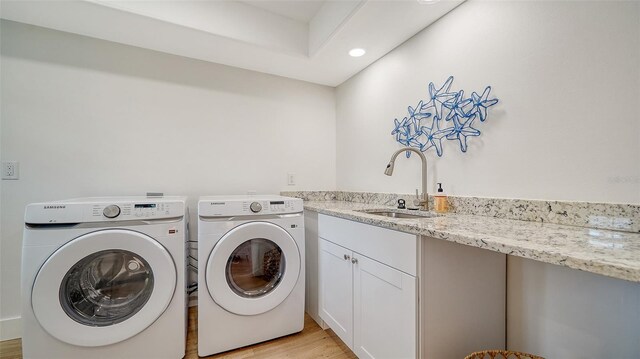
column 357, row 52
column 427, row 2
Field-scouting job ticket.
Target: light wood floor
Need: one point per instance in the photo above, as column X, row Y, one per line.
column 312, row 342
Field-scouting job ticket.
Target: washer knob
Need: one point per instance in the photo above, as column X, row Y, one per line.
column 111, row 211
column 255, row 207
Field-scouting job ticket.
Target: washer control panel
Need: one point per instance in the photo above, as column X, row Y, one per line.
column 135, row 211
column 95, row 210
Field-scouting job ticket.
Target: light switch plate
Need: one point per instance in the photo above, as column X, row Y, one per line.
column 291, row 179
column 10, row 170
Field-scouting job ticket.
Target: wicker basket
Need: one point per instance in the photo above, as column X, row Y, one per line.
column 501, row 354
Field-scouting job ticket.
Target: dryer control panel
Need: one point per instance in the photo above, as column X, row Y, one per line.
column 248, row 206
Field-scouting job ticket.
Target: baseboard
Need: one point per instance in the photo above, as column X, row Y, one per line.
column 10, row 328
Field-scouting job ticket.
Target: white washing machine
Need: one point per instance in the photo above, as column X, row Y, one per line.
column 250, row 270
column 105, row 278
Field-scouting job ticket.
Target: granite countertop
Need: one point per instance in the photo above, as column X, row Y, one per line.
column 606, row 252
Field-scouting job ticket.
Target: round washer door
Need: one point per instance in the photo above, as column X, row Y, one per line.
column 253, row 268
column 103, row 287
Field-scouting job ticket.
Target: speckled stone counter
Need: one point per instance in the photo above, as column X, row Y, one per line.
column 616, row 216
column 611, row 253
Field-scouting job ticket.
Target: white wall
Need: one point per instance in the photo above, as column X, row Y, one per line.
column 558, row 312
column 87, row 117
column 567, row 74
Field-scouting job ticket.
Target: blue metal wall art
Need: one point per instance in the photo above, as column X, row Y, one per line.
column 447, row 115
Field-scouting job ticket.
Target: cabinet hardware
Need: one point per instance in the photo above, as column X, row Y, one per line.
column 354, row 260
column 346, row 257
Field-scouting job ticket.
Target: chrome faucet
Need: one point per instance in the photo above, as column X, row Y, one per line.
column 422, row 202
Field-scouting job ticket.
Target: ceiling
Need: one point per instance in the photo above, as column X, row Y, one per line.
column 302, row 11
column 304, row 40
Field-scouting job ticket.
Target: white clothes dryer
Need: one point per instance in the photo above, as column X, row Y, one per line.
column 250, row 270
column 105, row 278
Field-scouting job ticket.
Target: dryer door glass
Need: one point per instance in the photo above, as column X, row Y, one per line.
column 255, row 268
column 106, row 288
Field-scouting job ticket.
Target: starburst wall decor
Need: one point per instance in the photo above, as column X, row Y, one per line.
column 447, row 115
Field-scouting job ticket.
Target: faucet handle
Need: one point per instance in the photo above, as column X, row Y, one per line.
column 420, row 201
column 417, row 201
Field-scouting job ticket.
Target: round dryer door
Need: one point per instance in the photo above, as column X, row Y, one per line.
column 253, row 268
column 103, row 287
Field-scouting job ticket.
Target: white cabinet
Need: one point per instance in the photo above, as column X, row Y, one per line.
column 336, row 289
column 389, row 294
column 384, row 305
column 370, row 305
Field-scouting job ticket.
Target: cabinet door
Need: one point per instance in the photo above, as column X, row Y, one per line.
column 386, row 319
column 336, row 290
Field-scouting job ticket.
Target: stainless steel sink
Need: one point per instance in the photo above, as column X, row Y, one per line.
column 396, row 214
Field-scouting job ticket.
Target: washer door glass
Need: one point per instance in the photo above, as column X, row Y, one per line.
column 255, row 268
column 106, row 288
